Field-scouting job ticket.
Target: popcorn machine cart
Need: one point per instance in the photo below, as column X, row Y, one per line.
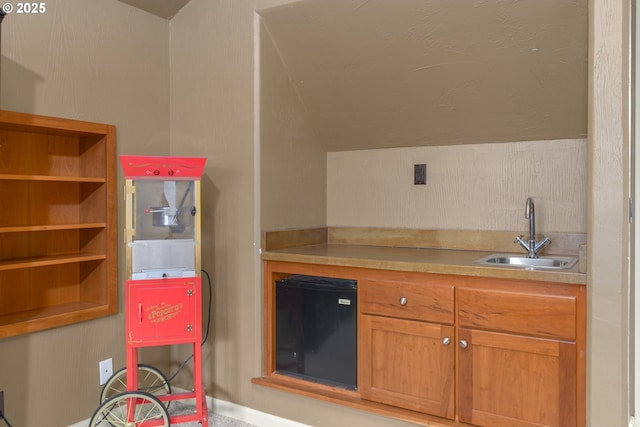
column 163, row 290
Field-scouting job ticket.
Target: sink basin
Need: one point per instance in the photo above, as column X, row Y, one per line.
column 519, row 261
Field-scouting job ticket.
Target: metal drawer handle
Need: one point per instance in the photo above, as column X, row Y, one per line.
column 403, row 301
column 463, row 344
column 446, row 340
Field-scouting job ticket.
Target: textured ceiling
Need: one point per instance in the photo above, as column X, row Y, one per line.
column 384, row 73
column 163, row 8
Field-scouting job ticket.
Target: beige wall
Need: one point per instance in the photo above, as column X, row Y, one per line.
column 99, row 61
column 380, row 74
column 469, row 187
column 293, row 166
column 104, row 61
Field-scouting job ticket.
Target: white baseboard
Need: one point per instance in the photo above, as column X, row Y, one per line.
column 632, row 421
column 239, row 412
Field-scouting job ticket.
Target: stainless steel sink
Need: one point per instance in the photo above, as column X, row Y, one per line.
column 518, row 261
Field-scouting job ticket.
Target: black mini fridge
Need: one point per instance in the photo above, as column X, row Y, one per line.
column 316, row 329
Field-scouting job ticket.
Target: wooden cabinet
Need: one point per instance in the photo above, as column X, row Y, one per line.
column 518, row 356
column 517, row 349
column 512, row 380
column 58, row 258
column 453, row 351
column 406, row 348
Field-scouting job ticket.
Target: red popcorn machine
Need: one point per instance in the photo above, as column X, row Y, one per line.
column 163, row 290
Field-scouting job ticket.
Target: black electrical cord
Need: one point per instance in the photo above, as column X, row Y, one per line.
column 5, row 420
column 209, row 308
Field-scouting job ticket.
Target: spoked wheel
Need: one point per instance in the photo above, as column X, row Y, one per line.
column 131, row 409
column 150, row 380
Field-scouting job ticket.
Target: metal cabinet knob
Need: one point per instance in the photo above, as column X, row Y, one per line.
column 446, row 340
column 403, row 301
column 463, row 344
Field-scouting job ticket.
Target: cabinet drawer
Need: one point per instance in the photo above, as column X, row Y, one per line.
column 551, row 316
column 431, row 302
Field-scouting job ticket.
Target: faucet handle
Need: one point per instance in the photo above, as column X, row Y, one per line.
column 544, row 242
column 522, row 243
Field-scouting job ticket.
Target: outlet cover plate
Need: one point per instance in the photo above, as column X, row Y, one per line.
column 420, row 174
column 106, row 370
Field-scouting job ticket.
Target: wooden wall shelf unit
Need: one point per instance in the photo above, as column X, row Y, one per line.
column 58, row 242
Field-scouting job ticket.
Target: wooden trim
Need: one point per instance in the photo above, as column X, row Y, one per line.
column 274, row 240
column 13, row 120
column 476, row 240
column 112, row 219
column 356, row 402
column 581, row 362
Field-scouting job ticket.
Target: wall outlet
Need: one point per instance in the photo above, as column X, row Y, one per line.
column 420, row 174
column 106, row 370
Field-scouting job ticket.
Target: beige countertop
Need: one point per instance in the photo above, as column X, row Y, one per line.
column 442, row 261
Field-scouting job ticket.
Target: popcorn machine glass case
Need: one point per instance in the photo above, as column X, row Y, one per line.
column 163, row 221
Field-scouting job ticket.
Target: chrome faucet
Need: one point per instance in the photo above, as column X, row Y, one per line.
column 532, row 247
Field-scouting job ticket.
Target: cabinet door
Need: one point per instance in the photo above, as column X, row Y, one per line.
column 407, row 364
column 509, row 380
column 163, row 311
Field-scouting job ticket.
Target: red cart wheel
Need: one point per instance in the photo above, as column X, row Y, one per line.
column 131, row 409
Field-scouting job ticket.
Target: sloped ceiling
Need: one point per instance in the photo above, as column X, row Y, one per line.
column 163, row 8
column 385, row 73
